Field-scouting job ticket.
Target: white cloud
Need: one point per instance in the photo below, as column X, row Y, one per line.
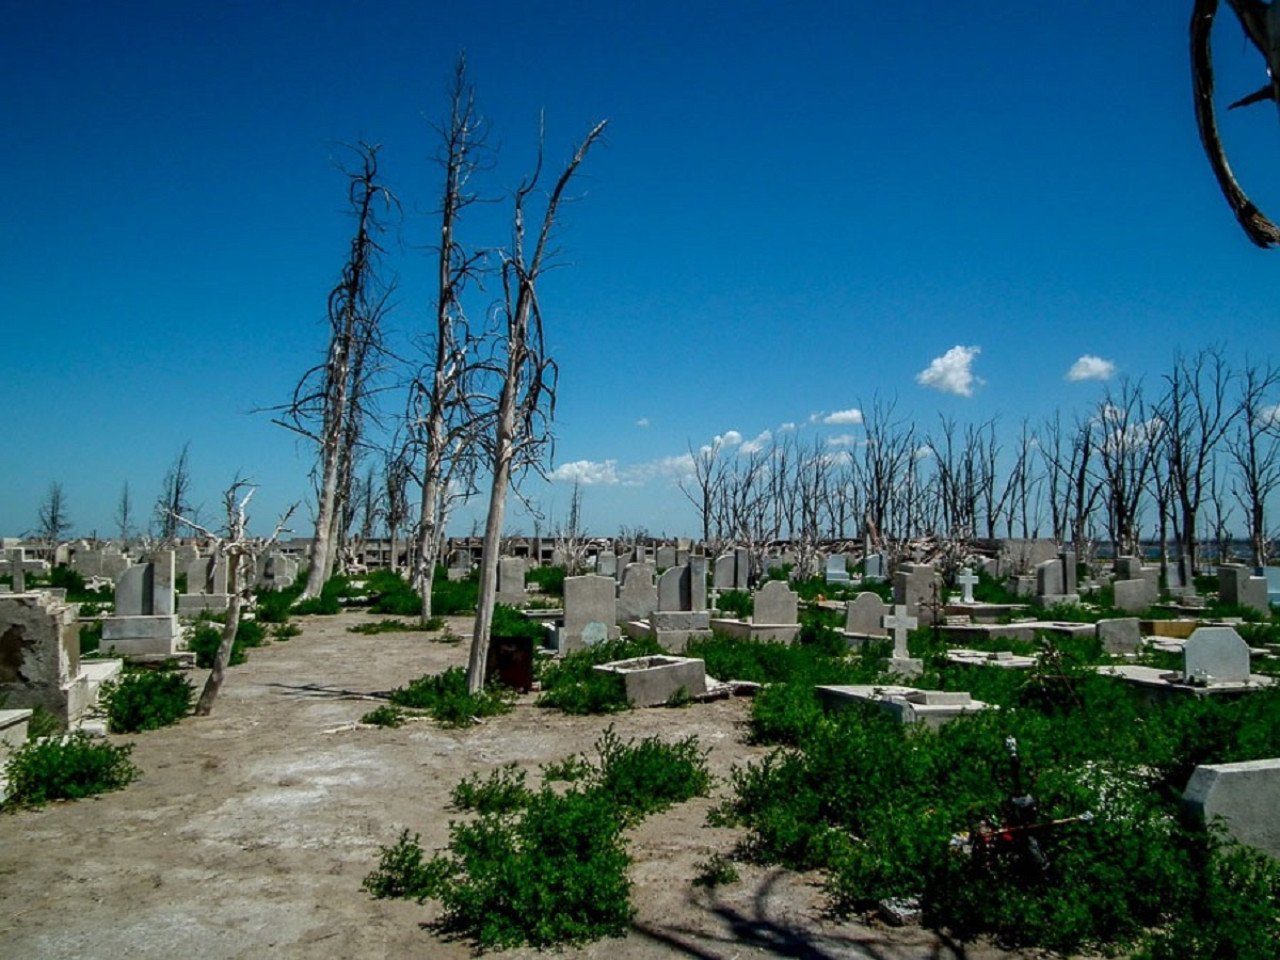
column 844, row 440
column 588, row 473
column 852, row 415
column 1089, row 367
column 731, row 438
column 787, row 427
column 642, row 423
column 1269, row 416
column 758, row 444
column 952, row 372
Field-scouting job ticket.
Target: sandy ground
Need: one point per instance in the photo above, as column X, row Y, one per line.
column 249, row 831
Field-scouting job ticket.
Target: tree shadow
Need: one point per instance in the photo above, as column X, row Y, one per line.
column 779, row 937
column 322, row 691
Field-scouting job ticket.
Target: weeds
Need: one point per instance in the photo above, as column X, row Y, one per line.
column 445, row 698
column 573, row 685
column 384, row 716
column 67, row 768
column 397, row 626
column 146, row 700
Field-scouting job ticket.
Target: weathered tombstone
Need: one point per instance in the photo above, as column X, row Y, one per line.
column 40, row 657
column 1215, row 655
column 1068, row 560
column 673, row 589
column 511, row 571
column 864, row 616
column 967, row 580
column 913, row 588
column 144, row 623
column 666, row 556
column 607, row 564
column 1120, row 636
column 1243, row 796
column 17, row 569
column 588, row 600
column 873, row 568
column 697, row 567
column 1049, row 579
column 1133, row 596
column 638, row 596
column 776, row 603
column 722, row 572
column 837, row 569
column 1127, row 568
column 1238, row 586
column 741, row 568
column 900, row 623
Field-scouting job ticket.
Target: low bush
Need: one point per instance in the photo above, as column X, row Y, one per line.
column 397, row 626
column 736, row 603
column 384, row 716
column 67, row 768
column 207, row 638
column 330, row 600
column 546, row 867
column 445, row 698
column 146, row 700
column 390, row 593
column 453, row 597
column 510, row 622
column 549, row 580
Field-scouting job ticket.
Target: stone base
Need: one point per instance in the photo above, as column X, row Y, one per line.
column 982, row 658
column 140, row 636
column 13, row 730
column 1244, row 795
column 191, row 604
column 651, row 681
column 765, row 632
column 933, row 708
column 673, row 640
column 1157, row 684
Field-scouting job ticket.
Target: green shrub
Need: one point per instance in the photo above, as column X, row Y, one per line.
column 275, row 606
column 452, row 597
column 68, row 768
column 504, row 791
column 146, row 700
column 403, row 873
column 736, row 603
column 335, row 589
column 285, row 631
column 650, row 775
column 510, row 622
column 384, row 716
column 445, row 698
column 205, row 641
column 43, row 724
column 549, row 580
column 90, row 637
column 714, row 872
column 390, row 593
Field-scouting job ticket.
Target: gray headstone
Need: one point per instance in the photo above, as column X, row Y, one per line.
column 865, row 615
column 638, row 596
column 1068, row 560
column 1050, row 579
column 133, row 591
column 741, row 568
column 1133, row 596
column 837, row 569
column 913, row 587
column 589, row 599
column 873, row 567
column 900, row 623
column 967, row 580
column 776, row 603
column 666, row 556
column 1245, row 796
column 1215, row 655
column 1237, row 585
column 723, row 572
column 1120, row 636
column 162, row 574
column 673, row 589
column 697, row 567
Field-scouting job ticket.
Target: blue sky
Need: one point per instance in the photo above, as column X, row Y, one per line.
column 799, row 206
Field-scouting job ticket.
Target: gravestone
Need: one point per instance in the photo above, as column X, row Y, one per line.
column 588, row 600
column 967, row 580
column 697, row 567
column 837, row 569
column 900, row 623
column 1120, row 636
column 913, row 588
column 511, row 571
column 1050, row 580
column 145, row 623
column 1238, row 586
column 1215, row 655
column 1243, row 796
column 638, row 596
column 873, row 568
column 40, row 658
column 1068, row 560
column 1133, row 596
column 864, row 616
column 607, row 564
column 666, row 556
column 17, row 569
column 776, row 603
column 673, row 589
column 722, row 572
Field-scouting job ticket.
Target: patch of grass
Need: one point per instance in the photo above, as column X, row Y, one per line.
column 67, row 768
column 716, row 871
column 510, row 622
column 445, row 698
column 335, row 589
column 736, row 603
column 384, row 716
column 146, row 700
column 453, row 597
column 397, row 626
column 503, row 791
column 548, row 580
column 207, row 638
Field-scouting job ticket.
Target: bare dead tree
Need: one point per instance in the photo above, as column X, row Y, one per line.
column 1261, row 25
column 396, row 474
column 1073, row 487
column 525, row 382
column 1128, row 441
column 330, row 401
column 444, row 418
column 241, row 553
column 569, row 539
column 1254, row 449
column 1197, row 413
column 175, row 497
column 702, row 489
column 887, row 456
column 53, row 518
column 124, row 513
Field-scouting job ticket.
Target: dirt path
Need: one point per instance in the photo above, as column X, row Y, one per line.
column 249, row 831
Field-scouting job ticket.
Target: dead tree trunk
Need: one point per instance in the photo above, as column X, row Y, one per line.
column 526, row 388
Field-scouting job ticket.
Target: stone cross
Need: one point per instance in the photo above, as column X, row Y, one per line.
column 900, row 623
column 967, row 580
